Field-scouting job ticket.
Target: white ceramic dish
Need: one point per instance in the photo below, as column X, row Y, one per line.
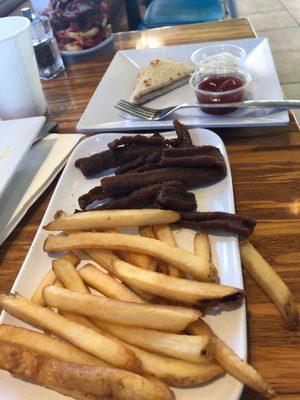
column 229, row 325
column 105, row 42
column 117, row 83
column 16, row 137
column 34, row 174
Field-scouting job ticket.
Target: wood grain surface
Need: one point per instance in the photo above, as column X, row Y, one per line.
column 265, row 166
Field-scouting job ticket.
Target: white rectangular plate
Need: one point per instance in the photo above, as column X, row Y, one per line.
column 117, row 83
column 229, row 325
column 16, row 137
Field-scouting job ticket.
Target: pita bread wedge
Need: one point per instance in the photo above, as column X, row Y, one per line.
column 160, row 77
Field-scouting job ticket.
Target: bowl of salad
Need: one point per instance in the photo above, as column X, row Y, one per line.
column 80, row 26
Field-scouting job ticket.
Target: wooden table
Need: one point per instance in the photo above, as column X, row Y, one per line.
column 265, row 166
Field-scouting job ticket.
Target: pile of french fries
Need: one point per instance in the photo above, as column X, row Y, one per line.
column 140, row 330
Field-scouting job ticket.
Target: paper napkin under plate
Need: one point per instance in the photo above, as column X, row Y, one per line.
column 34, row 174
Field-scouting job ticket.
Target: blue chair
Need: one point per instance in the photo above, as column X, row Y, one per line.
column 178, row 12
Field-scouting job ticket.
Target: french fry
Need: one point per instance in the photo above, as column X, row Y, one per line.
column 148, row 298
column 107, row 285
column 58, row 283
column 163, row 267
column 202, row 245
column 202, row 249
column 101, row 256
column 152, row 316
column 102, row 382
column 104, row 258
column 146, row 231
column 49, row 278
column 75, row 317
column 177, row 289
column 47, row 345
column 73, row 281
column 173, row 371
column 68, row 275
column 183, row 260
column 74, row 394
column 164, row 234
column 72, row 258
column 84, row 338
column 81, row 319
column 140, row 260
column 231, row 363
column 271, row 283
column 184, row 347
column 107, row 219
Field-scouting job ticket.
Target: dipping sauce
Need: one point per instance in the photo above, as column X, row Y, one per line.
column 220, row 89
column 223, row 59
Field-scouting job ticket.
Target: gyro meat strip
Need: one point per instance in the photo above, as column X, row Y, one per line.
column 206, row 150
column 107, row 159
column 141, row 198
column 140, row 162
column 169, row 195
column 155, row 139
column 130, row 165
column 200, row 156
column 93, row 195
column 183, row 135
column 175, row 198
column 218, row 220
column 191, row 177
column 96, row 163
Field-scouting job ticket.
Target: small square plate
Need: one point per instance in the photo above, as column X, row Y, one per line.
column 16, row 137
column 33, row 175
column 117, row 83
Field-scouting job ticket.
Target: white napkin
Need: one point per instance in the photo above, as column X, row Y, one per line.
column 34, row 174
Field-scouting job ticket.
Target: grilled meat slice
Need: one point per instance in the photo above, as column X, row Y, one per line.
column 88, row 198
column 173, row 196
column 222, row 221
column 183, row 135
column 190, row 177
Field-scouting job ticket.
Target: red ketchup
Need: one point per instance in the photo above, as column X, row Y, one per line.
column 219, row 85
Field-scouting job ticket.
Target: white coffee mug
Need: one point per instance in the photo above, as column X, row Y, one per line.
column 21, row 93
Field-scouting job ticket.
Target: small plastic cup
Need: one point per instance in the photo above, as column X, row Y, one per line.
column 199, row 56
column 221, row 96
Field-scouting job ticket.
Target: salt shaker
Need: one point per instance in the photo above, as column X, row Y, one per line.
column 45, row 46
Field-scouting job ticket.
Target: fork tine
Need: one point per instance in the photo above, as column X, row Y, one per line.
column 147, row 109
column 137, row 110
column 135, row 107
column 133, row 111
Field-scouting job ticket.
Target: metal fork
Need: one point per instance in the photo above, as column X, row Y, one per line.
column 152, row 114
